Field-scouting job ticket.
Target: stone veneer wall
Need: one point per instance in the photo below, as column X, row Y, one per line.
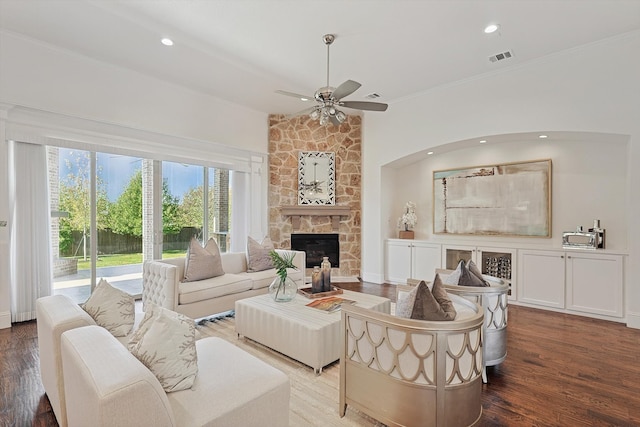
column 287, row 137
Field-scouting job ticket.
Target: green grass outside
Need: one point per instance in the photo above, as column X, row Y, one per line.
column 123, row 259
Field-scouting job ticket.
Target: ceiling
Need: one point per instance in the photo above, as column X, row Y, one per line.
column 244, row 50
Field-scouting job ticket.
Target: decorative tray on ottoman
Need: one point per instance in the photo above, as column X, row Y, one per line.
column 308, row 294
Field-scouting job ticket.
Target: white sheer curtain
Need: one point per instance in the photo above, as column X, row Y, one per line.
column 30, row 253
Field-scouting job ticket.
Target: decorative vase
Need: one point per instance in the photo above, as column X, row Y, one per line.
column 283, row 290
column 316, row 280
column 326, row 274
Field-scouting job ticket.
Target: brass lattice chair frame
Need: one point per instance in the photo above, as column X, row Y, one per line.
column 412, row 372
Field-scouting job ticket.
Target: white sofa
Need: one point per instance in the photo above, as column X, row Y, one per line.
column 58, row 314
column 162, row 284
column 55, row 315
column 106, row 385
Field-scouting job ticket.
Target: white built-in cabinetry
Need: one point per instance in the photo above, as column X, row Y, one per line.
column 572, row 281
column 586, row 282
column 411, row 259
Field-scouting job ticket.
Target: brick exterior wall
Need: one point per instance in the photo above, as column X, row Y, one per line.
column 287, row 137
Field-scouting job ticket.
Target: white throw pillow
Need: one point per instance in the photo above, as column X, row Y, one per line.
column 165, row 342
column 258, row 258
column 111, row 308
column 454, row 278
column 405, row 302
column 202, row 263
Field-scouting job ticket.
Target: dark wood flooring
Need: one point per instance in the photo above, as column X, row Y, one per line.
column 561, row 370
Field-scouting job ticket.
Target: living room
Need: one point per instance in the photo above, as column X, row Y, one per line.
column 584, row 94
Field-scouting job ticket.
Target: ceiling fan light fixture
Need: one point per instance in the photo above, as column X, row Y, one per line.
column 315, row 114
column 324, row 120
column 341, row 116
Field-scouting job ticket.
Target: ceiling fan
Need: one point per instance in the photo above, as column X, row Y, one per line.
column 329, row 98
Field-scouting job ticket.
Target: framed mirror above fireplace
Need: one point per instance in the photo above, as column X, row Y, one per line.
column 316, row 178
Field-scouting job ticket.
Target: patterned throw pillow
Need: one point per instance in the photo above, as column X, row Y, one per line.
column 258, row 258
column 404, row 303
column 453, row 278
column 202, row 263
column 433, row 304
column 111, row 308
column 165, row 342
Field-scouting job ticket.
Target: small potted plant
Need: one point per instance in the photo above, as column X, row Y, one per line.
column 407, row 221
column 283, row 288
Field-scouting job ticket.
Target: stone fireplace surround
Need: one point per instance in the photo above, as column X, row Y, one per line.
column 289, row 136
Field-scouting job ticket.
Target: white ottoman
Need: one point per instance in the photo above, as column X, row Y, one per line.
column 306, row 334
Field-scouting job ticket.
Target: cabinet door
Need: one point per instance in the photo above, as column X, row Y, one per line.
column 541, row 280
column 426, row 259
column 595, row 283
column 398, row 262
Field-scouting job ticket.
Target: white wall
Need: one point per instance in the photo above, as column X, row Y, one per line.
column 49, row 93
column 589, row 177
column 591, row 89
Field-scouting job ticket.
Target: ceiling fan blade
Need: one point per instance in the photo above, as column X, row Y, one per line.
column 364, row 105
column 345, row 89
column 304, row 112
column 295, row 95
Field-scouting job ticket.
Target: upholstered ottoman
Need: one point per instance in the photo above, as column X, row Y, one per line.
column 306, row 334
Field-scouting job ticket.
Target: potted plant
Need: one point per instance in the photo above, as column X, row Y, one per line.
column 407, row 221
column 283, row 288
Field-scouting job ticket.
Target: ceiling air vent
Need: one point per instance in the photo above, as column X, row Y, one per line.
column 372, row 96
column 501, row 56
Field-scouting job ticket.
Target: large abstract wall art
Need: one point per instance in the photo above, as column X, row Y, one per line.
column 509, row 199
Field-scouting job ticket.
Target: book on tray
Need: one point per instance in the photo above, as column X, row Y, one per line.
column 330, row 304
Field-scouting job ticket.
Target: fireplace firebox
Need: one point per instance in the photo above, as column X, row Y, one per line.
column 316, row 246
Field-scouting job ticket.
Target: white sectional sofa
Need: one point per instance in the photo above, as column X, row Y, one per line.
column 231, row 388
column 163, row 284
column 107, row 386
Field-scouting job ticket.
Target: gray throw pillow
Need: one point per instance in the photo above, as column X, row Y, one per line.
column 467, row 278
column 258, row 258
column 433, row 304
column 202, row 263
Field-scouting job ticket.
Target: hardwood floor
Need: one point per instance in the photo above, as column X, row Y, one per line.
column 561, row 370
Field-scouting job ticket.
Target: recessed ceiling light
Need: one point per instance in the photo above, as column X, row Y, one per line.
column 167, row 41
column 542, row 136
column 429, row 153
column 304, row 99
column 482, row 141
column 491, row 28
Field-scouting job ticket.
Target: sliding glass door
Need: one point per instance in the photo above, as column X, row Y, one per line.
column 95, row 197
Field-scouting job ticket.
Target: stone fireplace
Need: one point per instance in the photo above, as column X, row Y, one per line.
column 317, row 246
column 289, row 136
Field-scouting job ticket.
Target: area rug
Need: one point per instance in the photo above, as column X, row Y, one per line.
column 314, row 398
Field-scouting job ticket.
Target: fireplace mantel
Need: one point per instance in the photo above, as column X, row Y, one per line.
column 335, row 212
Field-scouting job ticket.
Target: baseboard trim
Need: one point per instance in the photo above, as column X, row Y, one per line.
column 373, row 278
column 5, row 320
column 633, row 320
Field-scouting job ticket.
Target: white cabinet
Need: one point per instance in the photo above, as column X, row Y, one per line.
column 497, row 262
column 411, row 259
column 595, row 283
column 541, row 278
column 577, row 281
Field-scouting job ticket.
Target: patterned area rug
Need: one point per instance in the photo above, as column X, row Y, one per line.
column 314, row 398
